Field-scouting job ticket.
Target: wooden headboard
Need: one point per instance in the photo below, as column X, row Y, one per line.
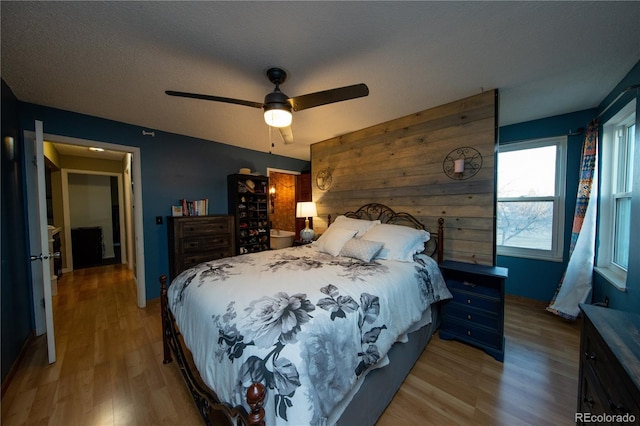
column 375, row 211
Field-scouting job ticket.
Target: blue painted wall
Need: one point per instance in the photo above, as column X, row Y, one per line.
column 538, row 279
column 16, row 281
column 172, row 167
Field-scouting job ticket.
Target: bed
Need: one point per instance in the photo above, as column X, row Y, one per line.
column 309, row 334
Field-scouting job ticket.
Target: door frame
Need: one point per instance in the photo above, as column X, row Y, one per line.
column 139, row 274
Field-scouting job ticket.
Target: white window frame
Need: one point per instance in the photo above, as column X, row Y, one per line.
column 605, row 266
column 557, row 236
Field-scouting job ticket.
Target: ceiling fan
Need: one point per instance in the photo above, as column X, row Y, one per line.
column 277, row 106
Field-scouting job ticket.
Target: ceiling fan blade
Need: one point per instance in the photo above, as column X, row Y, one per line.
column 329, row 96
column 214, row 98
column 287, row 134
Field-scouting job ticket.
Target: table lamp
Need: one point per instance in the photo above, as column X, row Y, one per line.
column 306, row 209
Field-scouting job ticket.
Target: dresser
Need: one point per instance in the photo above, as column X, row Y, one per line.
column 475, row 315
column 609, row 381
column 197, row 239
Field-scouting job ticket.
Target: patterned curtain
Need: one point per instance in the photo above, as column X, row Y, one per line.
column 575, row 285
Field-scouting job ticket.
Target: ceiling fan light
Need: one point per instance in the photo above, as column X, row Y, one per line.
column 277, row 117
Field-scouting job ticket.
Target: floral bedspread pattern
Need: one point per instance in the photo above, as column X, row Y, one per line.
column 305, row 324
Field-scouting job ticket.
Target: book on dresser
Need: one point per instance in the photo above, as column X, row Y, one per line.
column 248, row 198
column 475, row 315
column 197, row 239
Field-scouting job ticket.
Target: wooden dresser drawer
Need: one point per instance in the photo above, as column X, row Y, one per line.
column 591, row 400
column 203, row 226
column 193, row 260
column 194, row 245
column 197, row 239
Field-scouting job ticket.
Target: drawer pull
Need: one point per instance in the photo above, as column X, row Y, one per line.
column 468, row 301
column 590, row 356
column 469, row 316
column 468, row 332
column 588, row 400
column 619, row 408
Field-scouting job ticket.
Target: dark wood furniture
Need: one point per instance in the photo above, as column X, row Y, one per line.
column 86, row 247
column 248, row 202
column 197, row 239
column 475, row 315
column 609, row 381
column 215, row 412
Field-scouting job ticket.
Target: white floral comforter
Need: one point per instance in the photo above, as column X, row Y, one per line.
column 306, row 324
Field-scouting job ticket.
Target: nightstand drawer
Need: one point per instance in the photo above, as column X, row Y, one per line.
column 476, row 300
column 464, row 313
column 471, row 286
column 472, row 333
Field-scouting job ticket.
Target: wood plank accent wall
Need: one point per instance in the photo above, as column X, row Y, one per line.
column 400, row 164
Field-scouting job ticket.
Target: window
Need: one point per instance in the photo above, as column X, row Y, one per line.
column 531, row 181
column 618, row 138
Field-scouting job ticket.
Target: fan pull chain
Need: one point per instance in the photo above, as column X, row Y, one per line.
column 270, row 140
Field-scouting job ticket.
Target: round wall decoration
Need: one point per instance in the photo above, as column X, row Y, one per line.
column 323, row 179
column 462, row 163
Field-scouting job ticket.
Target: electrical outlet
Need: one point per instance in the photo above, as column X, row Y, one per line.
column 158, row 220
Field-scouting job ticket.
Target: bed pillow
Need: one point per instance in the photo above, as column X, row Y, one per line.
column 333, row 239
column 359, row 225
column 400, row 242
column 364, row 250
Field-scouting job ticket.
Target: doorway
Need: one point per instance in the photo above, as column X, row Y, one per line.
column 282, row 202
column 286, row 189
column 94, row 203
column 130, row 216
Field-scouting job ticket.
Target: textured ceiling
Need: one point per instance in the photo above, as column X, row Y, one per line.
column 115, row 60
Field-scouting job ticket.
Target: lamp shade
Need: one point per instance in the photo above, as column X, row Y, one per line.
column 306, row 209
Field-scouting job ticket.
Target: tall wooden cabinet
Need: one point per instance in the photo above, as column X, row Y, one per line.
column 248, row 197
column 197, row 239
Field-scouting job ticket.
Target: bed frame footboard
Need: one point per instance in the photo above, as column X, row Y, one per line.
column 212, row 410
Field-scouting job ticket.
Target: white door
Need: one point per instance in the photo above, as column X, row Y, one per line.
column 39, row 240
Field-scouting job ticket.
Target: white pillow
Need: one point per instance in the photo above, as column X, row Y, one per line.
column 361, row 249
column 400, row 242
column 359, row 225
column 333, row 239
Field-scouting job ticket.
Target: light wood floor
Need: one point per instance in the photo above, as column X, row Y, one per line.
column 110, row 372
